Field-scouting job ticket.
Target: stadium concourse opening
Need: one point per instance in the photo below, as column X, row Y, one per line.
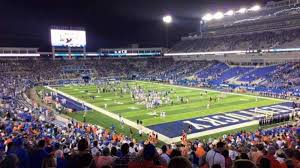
column 226, row 96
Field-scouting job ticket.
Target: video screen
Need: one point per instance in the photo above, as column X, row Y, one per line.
column 68, row 38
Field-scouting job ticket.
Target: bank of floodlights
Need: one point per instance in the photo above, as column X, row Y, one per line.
column 242, row 11
column 255, row 8
column 229, row 13
column 207, row 17
column 167, row 19
column 219, row 15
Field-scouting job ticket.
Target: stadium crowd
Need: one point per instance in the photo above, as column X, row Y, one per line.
column 29, row 140
column 31, row 137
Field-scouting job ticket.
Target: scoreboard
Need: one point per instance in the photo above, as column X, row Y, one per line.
column 68, row 38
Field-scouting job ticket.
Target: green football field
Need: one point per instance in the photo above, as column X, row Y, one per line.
column 195, row 107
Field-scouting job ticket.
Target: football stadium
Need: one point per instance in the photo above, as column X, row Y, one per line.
column 225, row 96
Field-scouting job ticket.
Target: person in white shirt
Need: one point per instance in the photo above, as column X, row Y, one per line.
column 131, row 148
column 214, row 156
column 232, row 152
column 95, row 149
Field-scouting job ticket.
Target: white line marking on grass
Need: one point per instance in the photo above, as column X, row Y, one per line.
column 133, row 108
column 152, row 114
column 106, row 99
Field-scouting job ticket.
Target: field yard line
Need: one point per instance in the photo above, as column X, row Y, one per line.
column 213, row 131
column 210, row 90
column 114, row 116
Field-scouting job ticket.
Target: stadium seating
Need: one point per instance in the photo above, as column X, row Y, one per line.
column 30, row 133
column 257, row 73
column 231, row 73
column 255, row 41
column 213, row 70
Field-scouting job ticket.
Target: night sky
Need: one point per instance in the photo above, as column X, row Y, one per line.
column 109, row 23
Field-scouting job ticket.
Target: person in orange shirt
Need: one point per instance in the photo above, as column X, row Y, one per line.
column 200, row 152
column 8, row 140
column 114, row 138
column 20, row 127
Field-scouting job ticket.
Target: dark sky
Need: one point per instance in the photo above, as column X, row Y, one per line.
column 109, row 23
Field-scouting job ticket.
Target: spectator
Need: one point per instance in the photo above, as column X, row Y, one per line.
column 38, row 155
column 195, row 160
column 83, row 158
column 257, row 152
column 179, row 162
column 174, row 153
column 11, row 161
column 165, row 157
column 122, row 162
column 270, row 156
column 105, row 160
column 150, row 159
column 228, row 161
column 214, row 156
column 95, row 149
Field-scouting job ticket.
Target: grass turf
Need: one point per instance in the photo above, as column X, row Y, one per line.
column 196, row 107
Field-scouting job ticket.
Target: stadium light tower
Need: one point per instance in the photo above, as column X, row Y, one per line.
column 218, row 15
column 229, row 13
column 167, row 20
column 207, row 17
column 242, row 10
column 255, row 8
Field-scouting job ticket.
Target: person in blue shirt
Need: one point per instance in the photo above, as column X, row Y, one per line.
column 21, row 153
column 38, row 155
